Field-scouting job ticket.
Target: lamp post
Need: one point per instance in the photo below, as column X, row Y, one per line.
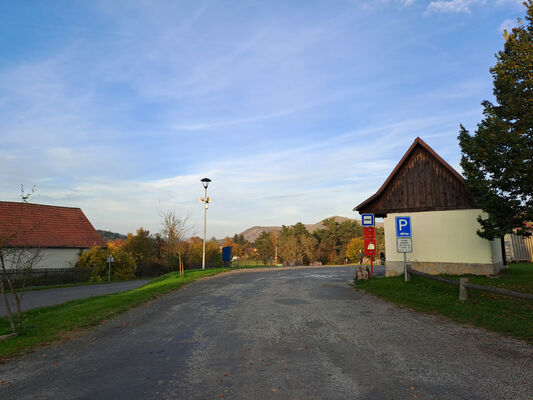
column 205, row 200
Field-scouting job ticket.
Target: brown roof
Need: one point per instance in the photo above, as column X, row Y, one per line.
column 25, row 224
column 399, row 173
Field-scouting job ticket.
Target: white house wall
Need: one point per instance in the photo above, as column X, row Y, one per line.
column 444, row 242
column 57, row 257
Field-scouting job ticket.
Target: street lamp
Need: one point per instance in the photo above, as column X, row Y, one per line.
column 205, row 200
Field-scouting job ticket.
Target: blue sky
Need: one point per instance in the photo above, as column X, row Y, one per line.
column 297, row 110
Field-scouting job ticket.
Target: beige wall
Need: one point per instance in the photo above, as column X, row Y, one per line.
column 58, row 258
column 444, row 242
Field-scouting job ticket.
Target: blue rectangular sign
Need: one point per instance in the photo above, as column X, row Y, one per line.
column 403, row 227
column 367, row 219
column 226, row 253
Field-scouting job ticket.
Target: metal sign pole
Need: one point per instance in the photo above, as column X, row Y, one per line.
column 405, row 265
column 109, row 261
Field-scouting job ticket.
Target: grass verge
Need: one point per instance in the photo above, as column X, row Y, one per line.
column 507, row 315
column 66, row 285
column 47, row 324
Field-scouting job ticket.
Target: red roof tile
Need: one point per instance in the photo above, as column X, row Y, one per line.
column 25, row 224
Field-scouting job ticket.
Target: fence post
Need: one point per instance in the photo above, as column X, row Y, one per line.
column 408, row 276
column 463, row 294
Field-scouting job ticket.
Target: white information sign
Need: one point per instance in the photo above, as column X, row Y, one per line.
column 404, row 245
column 367, row 219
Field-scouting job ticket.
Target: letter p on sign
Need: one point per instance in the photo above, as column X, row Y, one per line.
column 403, row 227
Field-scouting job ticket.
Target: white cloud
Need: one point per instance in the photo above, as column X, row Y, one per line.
column 292, row 114
column 452, row 6
column 507, row 25
column 516, row 3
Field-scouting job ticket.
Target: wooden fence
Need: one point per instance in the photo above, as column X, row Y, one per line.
column 50, row 276
column 518, row 248
column 464, row 285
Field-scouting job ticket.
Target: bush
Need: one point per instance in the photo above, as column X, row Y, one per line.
column 123, row 267
column 150, row 269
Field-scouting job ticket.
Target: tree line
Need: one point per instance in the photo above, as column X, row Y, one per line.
column 336, row 243
column 145, row 253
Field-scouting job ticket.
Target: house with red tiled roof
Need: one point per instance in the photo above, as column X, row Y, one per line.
column 443, row 217
column 61, row 233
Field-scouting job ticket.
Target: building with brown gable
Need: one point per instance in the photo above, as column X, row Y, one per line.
column 61, row 233
column 443, row 217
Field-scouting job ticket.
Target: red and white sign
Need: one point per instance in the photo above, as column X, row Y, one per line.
column 369, row 235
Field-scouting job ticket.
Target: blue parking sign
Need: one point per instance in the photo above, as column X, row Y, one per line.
column 403, row 227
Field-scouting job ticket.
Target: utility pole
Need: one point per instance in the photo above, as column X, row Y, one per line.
column 205, row 200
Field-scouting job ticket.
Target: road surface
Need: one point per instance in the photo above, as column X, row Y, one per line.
column 49, row 297
column 283, row 334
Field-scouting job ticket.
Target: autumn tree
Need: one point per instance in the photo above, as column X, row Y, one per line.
column 498, row 159
column 173, row 231
column 264, row 246
column 354, row 246
column 142, row 246
column 296, row 246
column 334, row 238
column 95, row 259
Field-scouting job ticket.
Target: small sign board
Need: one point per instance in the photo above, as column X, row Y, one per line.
column 367, row 219
column 369, row 235
column 403, row 227
column 226, row 253
column 370, row 247
column 110, row 258
column 404, row 245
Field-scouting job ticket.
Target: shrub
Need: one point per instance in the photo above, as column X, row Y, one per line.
column 123, row 267
column 152, row 268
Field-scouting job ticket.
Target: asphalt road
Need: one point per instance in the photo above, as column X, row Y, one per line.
column 49, row 297
column 287, row 334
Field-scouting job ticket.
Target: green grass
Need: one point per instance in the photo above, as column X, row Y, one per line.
column 66, row 285
column 507, row 315
column 48, row 324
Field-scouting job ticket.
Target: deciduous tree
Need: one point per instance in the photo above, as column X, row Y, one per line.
column 173, row 231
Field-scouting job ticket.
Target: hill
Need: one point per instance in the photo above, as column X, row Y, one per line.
column 253, row 233
column 110, row 236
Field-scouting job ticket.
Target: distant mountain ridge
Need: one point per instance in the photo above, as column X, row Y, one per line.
column 251, row 234
column 109, row 236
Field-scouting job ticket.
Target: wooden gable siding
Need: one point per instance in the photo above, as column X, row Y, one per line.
column 422, row 183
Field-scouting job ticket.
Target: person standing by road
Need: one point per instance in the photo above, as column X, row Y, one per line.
column 361, row 256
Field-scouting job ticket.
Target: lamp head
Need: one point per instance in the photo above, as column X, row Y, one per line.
column 205, row 182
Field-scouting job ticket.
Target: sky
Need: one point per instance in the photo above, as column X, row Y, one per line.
column 297, row 110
